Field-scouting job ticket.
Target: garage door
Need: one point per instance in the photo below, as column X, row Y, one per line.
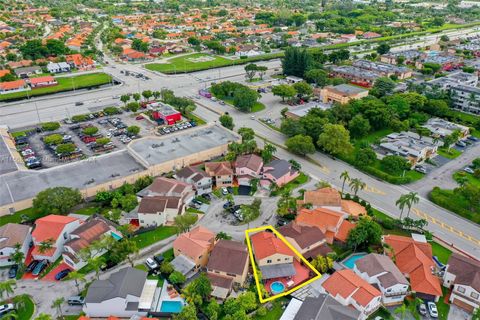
column 463, row 305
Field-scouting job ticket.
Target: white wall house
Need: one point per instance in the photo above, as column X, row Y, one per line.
column 12, row 234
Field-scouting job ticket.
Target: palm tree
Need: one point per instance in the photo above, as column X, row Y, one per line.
column 77, row 277
column 45, row 245
column 254, row 184
column 412, row 199
column 356, row 184
column 10, row 316
column 96, row 264
column 402, row 310
column 401, row 203
column 346, row 177
column 57, row 304
column 462, row 181
column 6, row 287
column 18, row 256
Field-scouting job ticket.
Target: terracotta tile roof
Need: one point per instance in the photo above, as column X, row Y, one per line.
column 346, row 283
column 304, row 236
column 50, row 227
column 353, row 208
column 13, row 233
column 322, row 218
column 41, row 80
column 88, row 232
column 9, row 85
column 415, row 259
column 219, row 168
column 237, row 257
column 324, row 197
column 250, row 161
column 194, row 243
column 47, row 253
column 4, row 72
column 266, row 244
column 344, row 229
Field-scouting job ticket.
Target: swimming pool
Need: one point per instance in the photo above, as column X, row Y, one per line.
column 277, row 287
column 350, row 261
column 171, row 306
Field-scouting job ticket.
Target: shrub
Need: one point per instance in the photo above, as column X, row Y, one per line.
column 111, row 110
column 90, row 131
column 65, row 148
column 50, row 126
column 79, row 118
column 54, row 139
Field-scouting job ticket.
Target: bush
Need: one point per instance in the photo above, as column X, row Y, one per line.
column 90, row 131
column 54, row 139
column 65, row 148
column 79, row 118
column 50, row 126
column 102, row 141
column 111, row 110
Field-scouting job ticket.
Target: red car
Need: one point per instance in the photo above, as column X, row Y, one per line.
column 139, row 118
column 89, row 139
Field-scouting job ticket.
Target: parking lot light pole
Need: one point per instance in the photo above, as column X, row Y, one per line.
column 38, row 113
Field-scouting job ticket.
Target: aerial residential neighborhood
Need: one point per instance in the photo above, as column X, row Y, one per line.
column 295, row 160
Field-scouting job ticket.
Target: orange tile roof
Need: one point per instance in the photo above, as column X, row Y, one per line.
column 322, row 218
column 47, row 253
column 346, row 283
column 344, row 229
column 353, row 208
column 4, row 72
column 219, row 168
column 328, row 197
column 50, row 227
column 415, row 259
column 196, row 242
column 266, row 244
column 42, row 79
column 9, row 85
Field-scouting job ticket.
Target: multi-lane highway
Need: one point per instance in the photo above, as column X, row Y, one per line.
column 447, row 226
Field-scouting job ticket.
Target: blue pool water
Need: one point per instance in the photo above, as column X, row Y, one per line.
column 171, row 306
column 350, row 261
column 116, row 236
column 277, row 287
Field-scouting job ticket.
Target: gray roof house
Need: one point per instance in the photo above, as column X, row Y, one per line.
column 200, row 180
column 325, row 308
column 126, row 293
column 380, row 271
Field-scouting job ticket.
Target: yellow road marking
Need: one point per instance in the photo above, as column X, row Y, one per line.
column 373, row 190
column 445, row 226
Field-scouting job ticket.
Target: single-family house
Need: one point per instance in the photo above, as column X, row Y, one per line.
column 11, row 236
column 307, row 240
column 94, row 229
column 39, row 82
column 124, row 294
column 59, row 67
column 330, row 198
column 349, row 289
column 227, row 266
column 25, row 72
column 413, row 257
column 192, row 249
column 324, row 307
column 247, row 167
column 221, row 172
column 379, row 270
column 80, row 62
column 462, row 275
column 50, row 234
column 280, row 172
column 201, row 181
column 13, row 86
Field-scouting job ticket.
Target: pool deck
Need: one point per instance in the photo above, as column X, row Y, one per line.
column 302, row 274
column 164, row 296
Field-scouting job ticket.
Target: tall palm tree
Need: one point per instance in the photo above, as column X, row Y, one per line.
column 57, row 304
column 412, row 199
column 6, row 287
column 45, row 245
column 18, row 256
column 401, row 203
column 356, row 184
column 77, row 277
column 402, row 311
column 96, row 264
column 346, row 177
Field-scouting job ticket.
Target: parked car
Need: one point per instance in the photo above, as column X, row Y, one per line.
column 422, row 309
column 108, row 265
column 461, row 144
column 158, row 259
column 39, row 267
column 227, row 204
column 224, row 191
column 230, row 190
column 6, row 308
column 197, row 202
column 421, row 169
column 472, row 138
column 151, row 264
column 139, row 118
column 62, row 274
column 206, row 196
column 76, row 300
column 468, row 170
column 31, row 266
column 12, row 273
column 79, row 103
column 432, row 309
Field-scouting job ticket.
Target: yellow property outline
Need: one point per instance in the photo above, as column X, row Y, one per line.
column 254, row 266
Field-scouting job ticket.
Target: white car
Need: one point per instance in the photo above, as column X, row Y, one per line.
column 151, row 264
column 432, row 309
column 6, row 308
column 224, row 191
column 468, row 170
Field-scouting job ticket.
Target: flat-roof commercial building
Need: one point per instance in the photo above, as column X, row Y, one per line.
column 342, row 93
column 146, row 156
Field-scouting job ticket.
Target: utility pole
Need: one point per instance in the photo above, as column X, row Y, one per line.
column 38, row 113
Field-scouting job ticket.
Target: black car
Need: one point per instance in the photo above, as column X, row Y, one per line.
column 206, row 196
column 31, row 266
column 108, row 265
column 230, row 190
column 158, row 259
column 234, row 208
column 227, row 204
column 62, row 274
column 12, row 273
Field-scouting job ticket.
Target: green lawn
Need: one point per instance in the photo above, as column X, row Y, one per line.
column 17, row 216
column 442, row 307
column 184, row 64
column 372, row 137
column 168, row 255
column 148, row 238
column 64, row 84
column 25, row 306
column 383, row 313
column 442, row 253
column 471, row 178
column 449, row 154
column 88, row 211
column 298, row 181
column 275, row 312
column 199, row 121
column 258, row 106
